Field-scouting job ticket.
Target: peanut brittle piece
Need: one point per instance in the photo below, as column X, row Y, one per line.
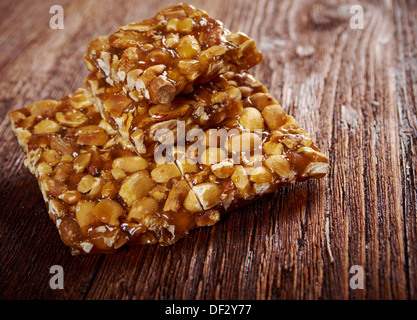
column 138, row 122
column 156, row 59
column 242, row 159
column 100, row 193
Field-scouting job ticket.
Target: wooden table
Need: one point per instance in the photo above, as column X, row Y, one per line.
column 354, row 90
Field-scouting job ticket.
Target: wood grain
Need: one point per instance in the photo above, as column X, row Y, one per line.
column 355, row 91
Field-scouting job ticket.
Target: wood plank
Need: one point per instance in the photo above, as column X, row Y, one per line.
column 353, row 90
column 406, row 101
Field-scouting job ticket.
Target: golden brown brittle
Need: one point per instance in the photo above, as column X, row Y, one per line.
column 158, row 58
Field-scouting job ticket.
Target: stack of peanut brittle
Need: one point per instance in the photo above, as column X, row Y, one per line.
column 170, row 133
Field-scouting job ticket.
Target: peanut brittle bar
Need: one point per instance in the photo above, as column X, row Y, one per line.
column 170, row 134
column 247, row 157
column 156, row 59
column 138, row 122
column 100, row 194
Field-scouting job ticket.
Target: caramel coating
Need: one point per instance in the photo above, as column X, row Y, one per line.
column 156, row 59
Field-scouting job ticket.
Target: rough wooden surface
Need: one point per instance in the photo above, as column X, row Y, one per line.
column 355, row 91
